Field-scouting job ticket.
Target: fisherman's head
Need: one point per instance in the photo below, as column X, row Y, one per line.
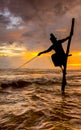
column 53, row 38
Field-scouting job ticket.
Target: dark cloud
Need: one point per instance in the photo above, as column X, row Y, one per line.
column 26, row 6
column 29, row 9
column 36, row 11
column 61, row 7
column 42, row 13
column 27, row 24
column 27, row 34
column 4, row 20
column 39, row 18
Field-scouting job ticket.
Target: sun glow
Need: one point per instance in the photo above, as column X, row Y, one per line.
column 28, row 55
column 23, row 54
column 77, row 64
column 75, row 60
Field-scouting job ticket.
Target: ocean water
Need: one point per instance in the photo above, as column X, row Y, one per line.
column 32, row 100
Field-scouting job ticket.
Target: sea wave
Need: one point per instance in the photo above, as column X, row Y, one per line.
column 33, row 101
column 26, row 77
column 24, row 83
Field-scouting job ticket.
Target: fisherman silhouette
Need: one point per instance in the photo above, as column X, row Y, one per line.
column 59, row 56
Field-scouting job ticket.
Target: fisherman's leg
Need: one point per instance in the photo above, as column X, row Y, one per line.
column 62, row 68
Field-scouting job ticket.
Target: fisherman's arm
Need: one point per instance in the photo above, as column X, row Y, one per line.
column 48, row 50
column 63, row 40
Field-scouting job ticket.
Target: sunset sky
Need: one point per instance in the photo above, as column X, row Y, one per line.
column 25, row 27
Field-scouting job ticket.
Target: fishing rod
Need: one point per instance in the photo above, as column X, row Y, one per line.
column 27, row 62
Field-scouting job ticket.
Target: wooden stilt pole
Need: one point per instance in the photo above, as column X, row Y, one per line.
column 67, row 53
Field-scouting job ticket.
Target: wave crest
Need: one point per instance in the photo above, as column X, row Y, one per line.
column 24, row 83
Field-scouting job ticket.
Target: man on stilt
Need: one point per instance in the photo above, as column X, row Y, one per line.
column 59, row 58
